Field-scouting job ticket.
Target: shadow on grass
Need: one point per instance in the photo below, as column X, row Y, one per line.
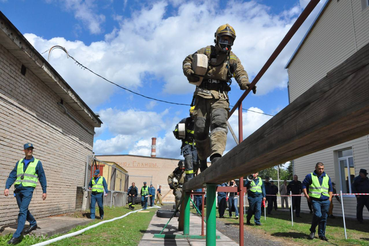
column 298, row 235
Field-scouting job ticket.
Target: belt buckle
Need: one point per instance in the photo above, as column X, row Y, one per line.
column 22, row 177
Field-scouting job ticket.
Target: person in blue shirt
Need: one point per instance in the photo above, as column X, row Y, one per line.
column 222, row 201
column 255, row 194
column 99, row 189
column 24, row 176
column 198, row 200
column 320, row 196
column 152, row 195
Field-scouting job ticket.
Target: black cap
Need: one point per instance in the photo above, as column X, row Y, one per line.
column 363, row 171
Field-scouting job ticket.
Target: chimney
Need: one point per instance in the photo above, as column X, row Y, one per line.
column 153, row 147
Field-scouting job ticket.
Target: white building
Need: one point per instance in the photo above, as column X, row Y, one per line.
column 340, row 30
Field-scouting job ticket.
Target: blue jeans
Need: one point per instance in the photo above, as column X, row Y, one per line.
column 233, row 202
column 320, row 209
column 198, row 202
column 254, row 208
column 144, row 202
column 24, row 197
column 99, row 199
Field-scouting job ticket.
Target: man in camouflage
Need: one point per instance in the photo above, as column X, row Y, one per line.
column 176, row 180
column 211, row 96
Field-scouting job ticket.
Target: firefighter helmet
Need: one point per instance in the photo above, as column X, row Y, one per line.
column 225, row 30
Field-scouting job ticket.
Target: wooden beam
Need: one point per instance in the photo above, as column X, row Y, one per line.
column 333, row 111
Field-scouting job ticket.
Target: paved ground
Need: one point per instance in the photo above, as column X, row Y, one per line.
column 50, row 226
column 157, row 224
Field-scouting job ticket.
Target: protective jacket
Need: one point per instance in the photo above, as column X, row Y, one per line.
column 222, row 67
column 133, row 191
column 178, row 175
column 189, row 127
column 316, row 190
column 98, row 186
column 28, row 178
column 144, row 191
column 256, row 188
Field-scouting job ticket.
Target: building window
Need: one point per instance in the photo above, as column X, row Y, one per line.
column 346, row 169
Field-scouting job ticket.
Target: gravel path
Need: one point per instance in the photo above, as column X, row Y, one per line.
column 232, row 232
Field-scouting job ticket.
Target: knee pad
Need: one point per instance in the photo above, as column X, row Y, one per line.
column 219, row 119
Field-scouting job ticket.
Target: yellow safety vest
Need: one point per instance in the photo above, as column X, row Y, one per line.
column 29, row 178
column 144, row 191
column 315, row 190
column 256, row 187
column 98, row 187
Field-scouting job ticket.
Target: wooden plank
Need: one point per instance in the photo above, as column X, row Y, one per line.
column 333, row 111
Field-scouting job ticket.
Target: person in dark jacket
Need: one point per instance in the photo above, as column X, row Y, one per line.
column 132, row 195
column 361, row 185
column 274, row 190
column 255, row 194
column 296, row 188
column 25, row 176
column 222, row 201
column 320, row 195
column 268, row 191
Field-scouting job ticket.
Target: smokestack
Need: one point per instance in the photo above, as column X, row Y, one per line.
column 153, row 147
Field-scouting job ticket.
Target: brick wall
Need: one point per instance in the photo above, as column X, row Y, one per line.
column 29, row 113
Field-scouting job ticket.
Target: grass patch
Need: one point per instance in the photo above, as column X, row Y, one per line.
column 126, row 231
column 278, row 227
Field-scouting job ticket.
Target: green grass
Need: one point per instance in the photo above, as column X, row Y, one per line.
column 126, row 231
column 278, row 227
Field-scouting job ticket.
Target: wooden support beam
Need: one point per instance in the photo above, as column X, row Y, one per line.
column 333, row 111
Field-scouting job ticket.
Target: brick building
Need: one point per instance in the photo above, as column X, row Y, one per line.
column 38, row 106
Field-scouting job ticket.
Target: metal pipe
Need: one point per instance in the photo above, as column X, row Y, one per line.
column 211, row 214
column 202, row 213
column 308, row 9
column 232, row 132
column 186, row 225
column 343, row 214
column 291, row 208
column 241, row 192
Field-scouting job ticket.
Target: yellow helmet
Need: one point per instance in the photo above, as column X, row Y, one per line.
column 225, row 30
column 192, row 109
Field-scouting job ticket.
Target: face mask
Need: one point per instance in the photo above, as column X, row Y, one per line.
column 225, row 45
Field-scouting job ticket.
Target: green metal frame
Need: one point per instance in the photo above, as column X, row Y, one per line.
column 211, row 214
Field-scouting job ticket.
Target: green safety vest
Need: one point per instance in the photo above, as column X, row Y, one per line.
column 29, row 178
column 315, row 190
column 144, row 191
column 256, row 187
column 98, row 187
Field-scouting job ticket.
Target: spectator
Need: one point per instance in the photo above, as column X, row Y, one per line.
column 158, row 196
column 295, row 187
column 269, row 198
column 222, row 201
column 320, row 195
column 233, row 200
column 198, row 200
column 330, row 212
column 361, row 185
column 152, row 195
column 284, row 193
column 255, row 194
column 274, row 190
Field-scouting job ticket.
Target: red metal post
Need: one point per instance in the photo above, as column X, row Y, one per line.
column 241, row 190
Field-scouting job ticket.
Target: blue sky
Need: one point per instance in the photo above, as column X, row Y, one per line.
column 140, row 45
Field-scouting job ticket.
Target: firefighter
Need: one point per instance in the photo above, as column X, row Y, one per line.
column 176, row 180
column 188, row 148
column 211, row 95
column 132, row 195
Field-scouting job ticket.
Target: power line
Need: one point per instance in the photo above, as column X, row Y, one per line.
column 122, row 87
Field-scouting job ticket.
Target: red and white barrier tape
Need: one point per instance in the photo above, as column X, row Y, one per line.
column 344, row 194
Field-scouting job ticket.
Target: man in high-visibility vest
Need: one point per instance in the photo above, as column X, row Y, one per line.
column 320, row 196
column 256, row 194
column 99, row 189
column 144, row 195
column 25, row 175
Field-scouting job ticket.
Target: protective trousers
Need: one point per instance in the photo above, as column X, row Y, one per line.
column 211, row 114
column 178, row 195
column 190, row 154
column 97, row 197
column 131, row 201
column 24, row 197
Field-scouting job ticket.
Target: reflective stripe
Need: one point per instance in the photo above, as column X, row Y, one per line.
column 187, row 64
column 232, row 57
column 98, row 187
column 190, row 143
column 191, row 131
column 30, row 173
column 189, row 171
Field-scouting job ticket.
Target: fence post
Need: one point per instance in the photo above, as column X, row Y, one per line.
column 343, row 214
column 291, row 207
column 210, row 214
